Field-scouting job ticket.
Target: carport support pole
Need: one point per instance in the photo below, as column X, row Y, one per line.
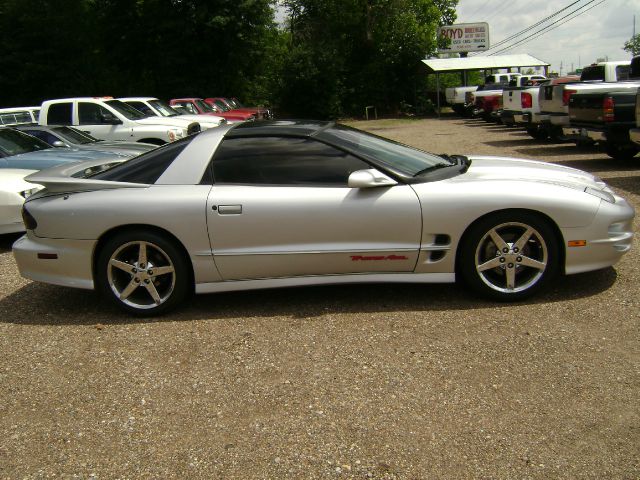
column 438, row 92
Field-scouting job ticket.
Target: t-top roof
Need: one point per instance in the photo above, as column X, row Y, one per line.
column 478, row 62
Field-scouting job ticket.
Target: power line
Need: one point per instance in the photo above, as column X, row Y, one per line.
column 479, row 9
column 531, row 27
column 552, row 26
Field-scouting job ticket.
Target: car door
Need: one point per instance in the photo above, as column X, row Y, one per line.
column 91, row 120
column 280, row 207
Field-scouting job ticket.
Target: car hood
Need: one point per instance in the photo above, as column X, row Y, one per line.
column 12, row 179
column 130, row 149
column 165, row 121
column 209, row 119
column 517, row 169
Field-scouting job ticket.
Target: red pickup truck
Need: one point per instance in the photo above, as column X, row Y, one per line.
column 199, row 106
column 227, row 105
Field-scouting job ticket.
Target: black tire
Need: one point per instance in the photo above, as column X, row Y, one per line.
column 620, row 151
column 538, row 133
column 129, row 279
column 539, row 251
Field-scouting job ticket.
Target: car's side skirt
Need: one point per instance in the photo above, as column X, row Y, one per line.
column 236, row 285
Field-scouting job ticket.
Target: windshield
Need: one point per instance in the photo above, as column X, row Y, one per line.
column 595, row 72
column 205, row 107
column 74, row 136
column 164, row 108
column 126, row 110
column 220, row 104
column 13, row 142
column 396, row 156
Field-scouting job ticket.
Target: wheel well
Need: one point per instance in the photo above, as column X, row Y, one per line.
column 106, row 236
column 516, row 211
column 153, row 141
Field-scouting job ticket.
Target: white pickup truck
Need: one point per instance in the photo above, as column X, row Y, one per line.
column 108, row 119
column 554, row 100
column 457, row 96
column 518, row 102
column 153, row 107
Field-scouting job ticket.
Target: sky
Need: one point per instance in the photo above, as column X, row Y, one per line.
column 599, row 33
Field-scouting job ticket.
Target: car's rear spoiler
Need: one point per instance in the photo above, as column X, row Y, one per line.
column 72, row 177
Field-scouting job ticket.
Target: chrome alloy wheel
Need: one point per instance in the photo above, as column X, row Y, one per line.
column 141, row 275
column 511, row 257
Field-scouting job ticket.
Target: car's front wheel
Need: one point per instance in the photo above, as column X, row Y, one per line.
column 509, row 256
column 142, row 272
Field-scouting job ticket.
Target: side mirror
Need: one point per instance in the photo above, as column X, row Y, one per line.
column 369, row 178
column 59, row 144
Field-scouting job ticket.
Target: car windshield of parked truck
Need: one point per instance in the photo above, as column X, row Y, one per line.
column 221, row 105
column 397, row 156
column 126, row 110
column 164, row 108
column 204, row 106
column 594, row 72
column 13, row 142
column 74, row 136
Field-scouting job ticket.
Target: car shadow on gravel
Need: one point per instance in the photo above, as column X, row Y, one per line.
column 41, row 304
column 7, row 240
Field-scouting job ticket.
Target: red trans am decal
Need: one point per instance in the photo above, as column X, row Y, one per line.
column 357, row 258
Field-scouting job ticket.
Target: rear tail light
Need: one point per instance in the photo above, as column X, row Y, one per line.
column 608, row 107
column 526, row 100
column 566, row 95
column 28, row 220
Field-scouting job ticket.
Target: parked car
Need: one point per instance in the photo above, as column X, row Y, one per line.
column 519, row 102
column 19, row 150
column 199, row 107
column 229, row 106
column 349, row 207
column 13, row 190
column 19, row 115
column 606, row 114
column 108, row 119
column 554, row 104
column 486, row 102
column 69, row 137
column 151, row 106
column 605, row 118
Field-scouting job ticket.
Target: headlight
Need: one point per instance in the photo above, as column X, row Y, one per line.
column 175, row 133
column 28, row 193
column 606, row 196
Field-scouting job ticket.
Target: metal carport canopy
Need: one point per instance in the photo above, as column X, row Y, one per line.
column 478, row 62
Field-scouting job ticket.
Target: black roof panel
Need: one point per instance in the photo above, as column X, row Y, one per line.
column 304, row 128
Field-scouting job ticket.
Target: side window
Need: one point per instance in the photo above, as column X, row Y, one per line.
column 92, row 113
column 141, row 106
column 42, row 135
column 60, row 114
column 622, row 72
column 282, row 161
column 148, row 167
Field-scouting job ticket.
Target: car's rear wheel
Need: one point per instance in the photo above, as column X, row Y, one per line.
column 621, row 151
column 509, row 256
column 537, row 132
column 142, row 273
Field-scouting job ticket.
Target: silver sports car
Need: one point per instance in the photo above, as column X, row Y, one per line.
column 283, row 203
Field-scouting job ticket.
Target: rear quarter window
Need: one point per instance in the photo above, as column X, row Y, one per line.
column 148, row 167
column 60, row 114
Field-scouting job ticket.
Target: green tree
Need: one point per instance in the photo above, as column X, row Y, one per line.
column 346, row 54
column 633, row 45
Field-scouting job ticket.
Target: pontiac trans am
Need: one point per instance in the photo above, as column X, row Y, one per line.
column 291, row 203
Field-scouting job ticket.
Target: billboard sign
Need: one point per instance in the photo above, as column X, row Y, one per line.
column 464, row 37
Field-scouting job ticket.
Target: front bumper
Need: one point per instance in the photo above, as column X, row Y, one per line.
column 608, row 238
column 72, row 266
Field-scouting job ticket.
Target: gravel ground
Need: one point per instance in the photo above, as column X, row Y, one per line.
column 383, row 381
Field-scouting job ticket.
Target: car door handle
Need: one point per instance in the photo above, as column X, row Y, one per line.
column 230, row 209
